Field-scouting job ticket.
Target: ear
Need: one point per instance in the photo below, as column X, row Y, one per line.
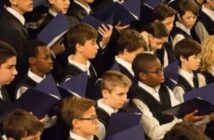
column 182, row 59
column 31, row 60
column 51, row 1
column 105, row 93
column 13, row 2
column 75, row 123
column 78, row 47
column 142, row 76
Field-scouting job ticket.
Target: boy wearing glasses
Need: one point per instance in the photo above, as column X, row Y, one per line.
column 151, row 97
column 80, row 115
column 187, row 52
column 114, row 89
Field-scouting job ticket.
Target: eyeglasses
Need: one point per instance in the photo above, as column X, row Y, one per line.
column 158, row 71
column 94, row 119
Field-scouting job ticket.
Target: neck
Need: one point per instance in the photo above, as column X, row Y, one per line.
column 123, row 57
column 82, row 134
column 37, row 72
column 79, row 58
column 17, row 10
column 207, row 6
column 186, row 69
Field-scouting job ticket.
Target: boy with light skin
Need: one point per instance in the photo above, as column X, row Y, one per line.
column 187, row 16
column 114, row 89
column 187, row 51
column 7, row 68
column 166, row 15
column 80, row 115
column 21, row 125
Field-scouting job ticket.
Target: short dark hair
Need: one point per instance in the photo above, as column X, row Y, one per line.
column 79, row 33
column 33, row 47
column 186, row 48
column 162, row 11
column 143, row 62
column 6, row 52
column 157, row 29
column 74, row 108
column 188, row 5
column 20, row 124
column 130, row 40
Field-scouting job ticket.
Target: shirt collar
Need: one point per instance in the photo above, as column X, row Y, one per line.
column 105, row 107
column 182, row 27
column 52, row 12
column 188, row 76
column 152, row 91
column 125, row 64
column 119, row 1
column 35, row 77
column 86, row 8
column 83, row 67
column 209, row 12
column 19, row 16
column 77, row 137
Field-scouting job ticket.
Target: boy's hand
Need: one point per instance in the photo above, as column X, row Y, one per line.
column 192, row 117
column 105, row 32
column 120, row 27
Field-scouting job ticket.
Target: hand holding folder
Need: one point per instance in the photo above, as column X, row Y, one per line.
column 203, row 107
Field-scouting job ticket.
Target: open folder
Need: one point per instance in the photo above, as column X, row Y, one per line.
column 181, row 110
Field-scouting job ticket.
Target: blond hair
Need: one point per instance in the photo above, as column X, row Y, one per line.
column 206, row 53
column 112, row 79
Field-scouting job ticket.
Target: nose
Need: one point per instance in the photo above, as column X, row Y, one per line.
column 15, row 71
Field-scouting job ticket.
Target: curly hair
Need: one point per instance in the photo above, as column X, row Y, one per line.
column 207, row 54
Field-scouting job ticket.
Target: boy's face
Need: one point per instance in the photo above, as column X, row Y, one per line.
column 8, row 71
column 88, row 124
column 33, row 137
column 43, row 61
column 117, row 97
column 156, row 43
column 188, row 19
column 153, row 76
column 169, row 23
column 89, row 49
column 191, row 64
column 22, row 6
column 60, row 5
column 131, row 55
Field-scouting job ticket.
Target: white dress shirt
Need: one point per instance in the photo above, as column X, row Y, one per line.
column 125, row 64
column 179, row 37
column 179, row 91
column 83, row 67
column 78, row 137
column 101, row 133
column 151, row 125
column 86, row 8
column 1, row 96
column 19, row 16
column 32, row 76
